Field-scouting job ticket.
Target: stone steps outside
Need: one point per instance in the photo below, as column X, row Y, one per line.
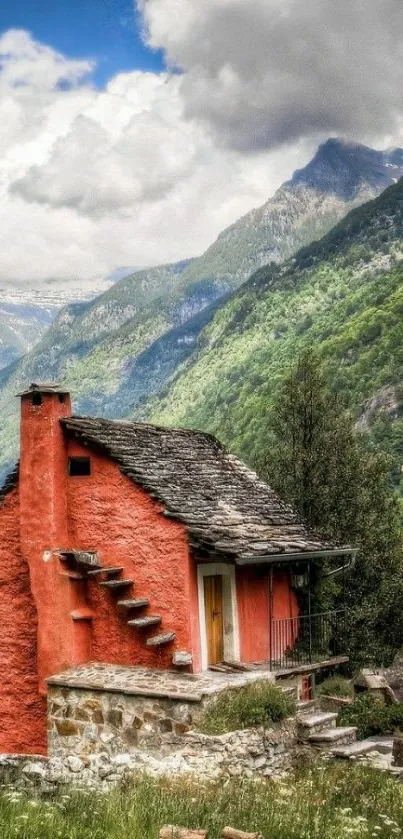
column 144, row 623
column 342, row 736
column 306, row 706
column 161, row 640
column 112, row 582
column 318, row 722
column 362, row 747
column 115, row 585
column 134, row 603
column 83, row 559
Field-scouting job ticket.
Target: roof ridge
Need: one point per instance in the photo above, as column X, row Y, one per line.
column 139, row 424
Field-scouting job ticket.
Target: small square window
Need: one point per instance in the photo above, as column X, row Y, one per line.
column 36, row 399
column 79, row 466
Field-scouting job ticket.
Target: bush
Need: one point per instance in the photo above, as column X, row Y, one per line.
column 258, row 704
column 336, row 686
column 372, row 717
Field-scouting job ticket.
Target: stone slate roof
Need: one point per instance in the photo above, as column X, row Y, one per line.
column 222, row 503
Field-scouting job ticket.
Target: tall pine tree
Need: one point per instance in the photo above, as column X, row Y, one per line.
column 340, row 484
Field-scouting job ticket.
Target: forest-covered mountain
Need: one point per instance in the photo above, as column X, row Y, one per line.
column 342, row 295
column 117, row 351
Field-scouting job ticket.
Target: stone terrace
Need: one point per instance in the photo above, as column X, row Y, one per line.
column 114, row 709
column 134, row 681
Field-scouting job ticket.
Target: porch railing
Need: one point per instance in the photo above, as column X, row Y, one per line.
column 306, row 639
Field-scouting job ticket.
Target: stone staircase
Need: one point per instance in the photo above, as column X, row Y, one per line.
column 88, row 566
column 318, row 729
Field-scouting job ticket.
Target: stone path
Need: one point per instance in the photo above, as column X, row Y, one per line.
column 159, row 683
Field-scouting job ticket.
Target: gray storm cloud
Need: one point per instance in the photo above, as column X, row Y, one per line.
column 265, row 72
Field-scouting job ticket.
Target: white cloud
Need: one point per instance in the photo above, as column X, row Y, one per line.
column 99, row 167
column 152, row 168
column 265, row 72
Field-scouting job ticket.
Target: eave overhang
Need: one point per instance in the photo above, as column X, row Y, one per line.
column 268, row 559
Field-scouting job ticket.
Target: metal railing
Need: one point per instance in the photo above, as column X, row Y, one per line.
column 306, row 639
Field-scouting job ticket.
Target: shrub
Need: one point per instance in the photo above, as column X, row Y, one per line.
column 258, row 704
column 372, row 717
column 336, row 686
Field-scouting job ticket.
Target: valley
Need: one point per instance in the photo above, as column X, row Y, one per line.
column 149, row 331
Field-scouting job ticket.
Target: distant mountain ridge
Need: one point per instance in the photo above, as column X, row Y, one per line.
column 26, row 313
column 117, row 351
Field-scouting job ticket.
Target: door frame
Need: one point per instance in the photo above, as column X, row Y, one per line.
column 230, row 610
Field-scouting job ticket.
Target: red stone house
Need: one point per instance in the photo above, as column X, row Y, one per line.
column 126, row 543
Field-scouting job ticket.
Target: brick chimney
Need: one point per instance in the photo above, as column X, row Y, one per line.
column 43, row 522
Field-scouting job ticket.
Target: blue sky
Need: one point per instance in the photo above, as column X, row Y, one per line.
column 152, row 169
column 107, row 31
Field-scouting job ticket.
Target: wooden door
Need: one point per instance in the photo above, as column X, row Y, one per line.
column 213, row 604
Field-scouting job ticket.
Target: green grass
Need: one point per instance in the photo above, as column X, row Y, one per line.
column 336, row 686
column 329, row 802
column 257, row 704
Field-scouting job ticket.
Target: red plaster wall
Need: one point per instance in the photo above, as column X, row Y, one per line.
column 285, row 603
column 107, row 512
column 22, row 710
column 254, row 611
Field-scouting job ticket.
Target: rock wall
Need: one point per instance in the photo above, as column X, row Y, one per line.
column 248, row 753
column 243, row 753
column 100, row 736
column 85, row 722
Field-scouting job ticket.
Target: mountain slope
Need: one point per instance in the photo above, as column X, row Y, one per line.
column 343, row 295
column 20, row 328
column 340, row 176
column 118, row 350
column 26, row 313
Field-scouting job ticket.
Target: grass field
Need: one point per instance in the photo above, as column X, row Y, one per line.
column 328, row 802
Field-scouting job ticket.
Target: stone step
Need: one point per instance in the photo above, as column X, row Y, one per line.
column 362, row 747
column 134, row 603
column 115, row 585
column 317, row 718
column 326, row 739
column 109, row 572
column 160, row 640
column 306, row 706
column 85, row 559
column 181, row 658
column 315, row 723
column 144, row 623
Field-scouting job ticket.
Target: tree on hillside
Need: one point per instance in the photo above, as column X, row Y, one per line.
column 340, row 484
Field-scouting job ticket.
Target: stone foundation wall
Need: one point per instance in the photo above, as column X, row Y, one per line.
column 99, row 736
column 87, row 721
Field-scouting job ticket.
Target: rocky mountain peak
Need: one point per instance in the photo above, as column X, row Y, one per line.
column 345, row 168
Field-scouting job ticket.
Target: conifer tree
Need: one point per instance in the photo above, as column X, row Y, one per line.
column 340, row 484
